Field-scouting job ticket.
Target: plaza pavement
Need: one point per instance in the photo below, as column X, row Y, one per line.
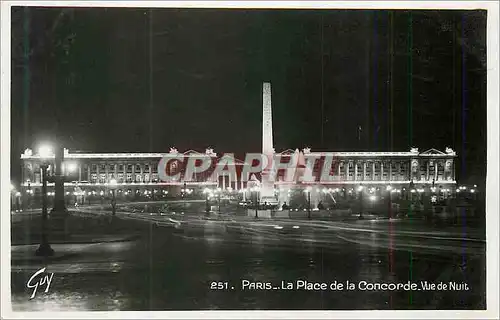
column 92, row 227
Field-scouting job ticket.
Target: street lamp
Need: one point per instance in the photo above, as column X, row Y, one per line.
column 18, row 201
column 361, row 194
column 255, row 192
column 113, row 184
column 44, row 249
column 183, row 195
column 206, row 192
column 12, row 190
column 218, row 192
column 390, row 190
column 308, row 192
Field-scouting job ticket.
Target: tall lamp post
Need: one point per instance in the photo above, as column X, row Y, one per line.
column 12, row 196
column 389, row 190
column 15, row 199
column 218, row 191
column 361, row 194
column 29, row 197
column 206, row 192
column 255, row 192
column 183, row 195
column 308, row 193
column 113, row 184
column 59, row 208
column 44, row 249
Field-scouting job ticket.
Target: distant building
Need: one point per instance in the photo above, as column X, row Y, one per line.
column 136, row 173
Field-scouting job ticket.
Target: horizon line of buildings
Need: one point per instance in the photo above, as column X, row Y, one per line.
column 140, row 170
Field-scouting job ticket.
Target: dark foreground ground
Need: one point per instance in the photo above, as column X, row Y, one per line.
column 170, row 264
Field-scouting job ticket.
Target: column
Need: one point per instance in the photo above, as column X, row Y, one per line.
column 88, row 172
column 133, row 174
column 79, row 173
column 427, row 170
column 381, row 170
column 435, row 170
column 355, row 170
column 403, row 168
column 223, row 182
column 338, row 168
column 398, row 170
column 106, row 169
column 346, row 164
column 97, row 172
column 364, row 170
column 390, row 170
column 150, row 172
column 453, row 169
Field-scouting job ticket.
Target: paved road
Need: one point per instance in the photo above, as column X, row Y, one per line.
column 172, row 265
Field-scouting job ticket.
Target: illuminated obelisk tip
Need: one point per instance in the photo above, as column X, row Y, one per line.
column 267, row 120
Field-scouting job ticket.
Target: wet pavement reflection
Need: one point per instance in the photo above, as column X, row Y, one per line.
column 172, row 268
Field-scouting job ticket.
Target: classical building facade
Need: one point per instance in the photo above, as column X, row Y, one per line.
column 137, row 173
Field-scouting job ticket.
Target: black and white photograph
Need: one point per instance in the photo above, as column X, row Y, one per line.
column 223, row 157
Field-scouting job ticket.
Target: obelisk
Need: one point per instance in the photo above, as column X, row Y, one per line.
column 267, row 186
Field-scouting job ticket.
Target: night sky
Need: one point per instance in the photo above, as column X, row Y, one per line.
column 139, row 80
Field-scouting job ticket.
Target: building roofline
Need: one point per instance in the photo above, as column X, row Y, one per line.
column 192, row 153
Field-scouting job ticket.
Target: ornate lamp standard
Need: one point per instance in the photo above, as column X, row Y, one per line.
column 15, row 199
column 183, row 196
column 44, row 249
column 18, row 201
column 206, row 192
column 361, row 194
column 307, row 191
column 12, row 196
column 389, row 190
column 218, row 191
column 29, row 197
column 112, row 185
column 59, row 178
column 255, row 193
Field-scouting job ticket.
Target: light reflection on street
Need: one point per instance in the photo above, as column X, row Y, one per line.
column 173, row 267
